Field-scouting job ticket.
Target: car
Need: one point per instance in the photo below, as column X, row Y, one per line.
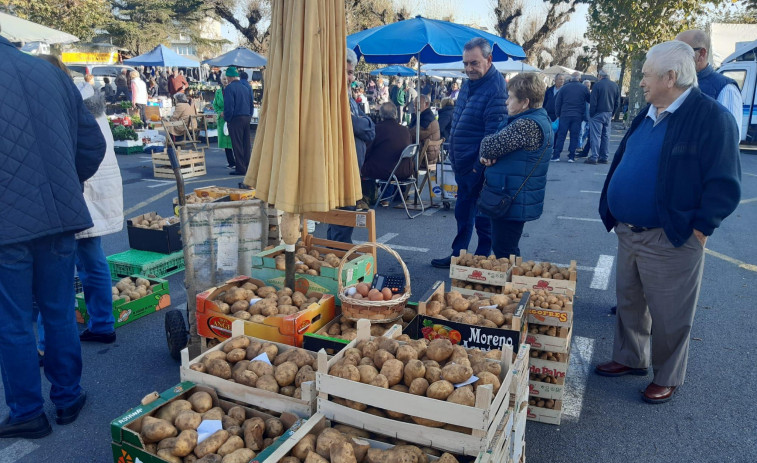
column 99, row 71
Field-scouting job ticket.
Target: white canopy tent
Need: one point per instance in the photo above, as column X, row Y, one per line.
column 554, row 70
column 16, row 29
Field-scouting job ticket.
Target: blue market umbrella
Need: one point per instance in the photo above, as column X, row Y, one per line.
column 162, row 56
column 396, row 70
column 240, row 57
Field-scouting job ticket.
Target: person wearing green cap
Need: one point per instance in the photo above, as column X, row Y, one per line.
column 237, row 112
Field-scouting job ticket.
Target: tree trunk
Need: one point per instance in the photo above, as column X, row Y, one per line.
column 623, row 64
column 635, row 95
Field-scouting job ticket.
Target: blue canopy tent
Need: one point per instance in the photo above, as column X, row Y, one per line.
column 402, row 71
column 426, row 40
column 240, row 57
column 162, row 56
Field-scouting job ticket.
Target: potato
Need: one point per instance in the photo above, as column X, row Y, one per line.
column 392, row 369
column 439, row 350
column 380, row 357
column 463, row 396
column 455, row 373
column 285, row 373
column 289, row 460
column 352, row 431
column 301, row 357
column 155, row 429
column 305, row 374
column 367, row 373
column 288, row 390
column 232, row 443
column 433, row 374
column 345, row 371
column 187, row 419
column 419, row 345
column 237, row 413
column 220, row 368
column 235, row 355
column 235, row 431
column 169, row 411
column 167, row 454
column 326, row 439
column 267, row 383
column 244, row 376
column 215, row 413
column 239, row 456
column 304, row 446
column 212, row 458
column 272, row 350
column 485, row 378
column 185, row 443
column 260, row 368
column 342, row 452
column 266, row 291
column 388, row 344
column 419, row 386
column 212, row 443
column 405, row 353
column 447, row 458
column 380, row 381
column 191, row 458
column 273, row 427
column 440, row 390
column 413, row 369
column 315, row 458
column 253, row 350
column 253, row 433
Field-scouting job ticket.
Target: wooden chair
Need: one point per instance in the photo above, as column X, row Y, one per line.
column 189, row 138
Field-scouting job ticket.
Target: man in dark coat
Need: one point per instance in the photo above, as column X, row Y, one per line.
column 479, row 111
column 237, row 112
column 604, row 101
column 50, row 144
column 570, row 107
column 551, row 95
column 385, row 150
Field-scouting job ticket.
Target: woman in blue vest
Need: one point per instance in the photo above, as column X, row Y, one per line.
column 516, row 164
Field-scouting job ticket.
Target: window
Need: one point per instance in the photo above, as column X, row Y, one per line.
column 739, row 75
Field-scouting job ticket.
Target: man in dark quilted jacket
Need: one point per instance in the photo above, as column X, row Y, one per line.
column 479, row 111
column 49, row 145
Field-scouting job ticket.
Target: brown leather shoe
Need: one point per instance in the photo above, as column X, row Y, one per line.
column 655, row 394
column 613, row 369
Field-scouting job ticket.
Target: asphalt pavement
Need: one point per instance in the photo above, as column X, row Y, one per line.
column 710, row 419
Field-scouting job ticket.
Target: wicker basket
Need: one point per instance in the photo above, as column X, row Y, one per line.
column 375, row 311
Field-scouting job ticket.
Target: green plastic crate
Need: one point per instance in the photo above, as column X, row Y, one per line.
column 150, row 264
column 129, row 149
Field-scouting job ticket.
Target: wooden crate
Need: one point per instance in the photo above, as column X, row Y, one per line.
column 477, row 275
column 192, row 164
column 543, row 342
column 550, row 284
column 484, row 419
column 546, row 390
column 474, row 292
column 546, row 415
column 303, row 408
column 519, row 385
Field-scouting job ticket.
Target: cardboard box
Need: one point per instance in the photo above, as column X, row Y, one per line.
column 357, row 270
column 477, row 275
column 285, row 329
column 126, row 312
column 466, row 335
column 127, row 444
column 447, row 190
column 164, row 241
column 234, row 194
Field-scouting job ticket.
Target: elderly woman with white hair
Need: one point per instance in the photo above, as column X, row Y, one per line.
column 138, row 93
column 675, row 177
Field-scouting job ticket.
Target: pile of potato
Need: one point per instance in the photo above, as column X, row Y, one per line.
column 541, row 403
column 543, row 270
column 546, row 330
column 494, row 312
column 131, row 289
column 476, row 286
column 418, row 367
column 345, row 444
column 154, row 221
column 250, row 302
column 310, row 262
column 192, row 198
column 483, row 262
column 551, row 356
column 171, row 433
column 286, row 373
column 347, row 329
column 543, row 299
column 543, row 378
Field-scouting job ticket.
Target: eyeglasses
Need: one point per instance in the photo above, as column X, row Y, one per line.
column 697, row 49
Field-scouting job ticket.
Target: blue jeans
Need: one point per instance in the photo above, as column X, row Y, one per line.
column 339, row 232
column 43, row 268
column 467, row 216
column 94, row 273
column 505, row 237
column 572, row 125
column 600, row 135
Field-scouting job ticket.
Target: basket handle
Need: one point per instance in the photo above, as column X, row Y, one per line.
column 386, row 248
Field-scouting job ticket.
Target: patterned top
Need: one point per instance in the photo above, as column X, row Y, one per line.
column 521, row 134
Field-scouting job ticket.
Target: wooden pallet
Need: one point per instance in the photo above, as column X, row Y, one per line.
column 192, row 164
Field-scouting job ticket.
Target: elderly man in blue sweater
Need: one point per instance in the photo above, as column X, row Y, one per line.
column 674, row 178
column 479, row 111
column 49, row 145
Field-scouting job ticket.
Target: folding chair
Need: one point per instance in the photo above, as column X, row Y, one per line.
column 424, row 164
column 410, row 152
column 189, row 138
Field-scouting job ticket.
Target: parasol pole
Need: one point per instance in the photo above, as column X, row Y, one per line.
column 290, row 231
column 418, row 122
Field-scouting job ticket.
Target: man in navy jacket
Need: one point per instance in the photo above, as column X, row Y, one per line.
column 238, row 109
column 674, row 178
column 479, row 111
column 570, row 108
column 49, row 145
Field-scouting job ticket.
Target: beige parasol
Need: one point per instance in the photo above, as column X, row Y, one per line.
column 304, row 157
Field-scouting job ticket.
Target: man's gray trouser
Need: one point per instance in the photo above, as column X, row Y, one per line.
column 657, row 289
column 599, row 130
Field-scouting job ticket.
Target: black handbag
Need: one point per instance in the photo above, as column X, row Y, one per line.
column 495, row 202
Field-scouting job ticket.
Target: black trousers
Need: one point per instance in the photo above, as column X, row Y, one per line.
column 230, row 157
column 505, row 237
column 241, row 141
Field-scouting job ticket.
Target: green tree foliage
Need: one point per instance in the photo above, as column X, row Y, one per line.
column 78, row 17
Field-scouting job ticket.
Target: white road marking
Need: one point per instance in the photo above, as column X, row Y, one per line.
column 578, row 374
column 603, row 174
column 602, row 272
column 397, row 247
column 387, row 237
column 159, row 183
column 751, row 175
column 747, row 201
column 582, row 219
column 17, row 451
column 592, row 192
column 431, row 211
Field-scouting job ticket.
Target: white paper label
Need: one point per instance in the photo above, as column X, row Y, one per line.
column 228, row 252
column 207, row 428
column 471, row 380
column 263, row 358
column 488, row 307
column 255, row 300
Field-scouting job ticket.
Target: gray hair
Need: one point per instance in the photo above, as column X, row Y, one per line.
column 602, row 73
column 576, row 77
column 479, row 42
column 95, row 104
column 696, row 39
column 675, row 56
column 426, row 98
column 351, row 57
column 388, row 111
column 181, row 98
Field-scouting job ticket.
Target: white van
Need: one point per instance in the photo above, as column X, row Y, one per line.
column 741, row 66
